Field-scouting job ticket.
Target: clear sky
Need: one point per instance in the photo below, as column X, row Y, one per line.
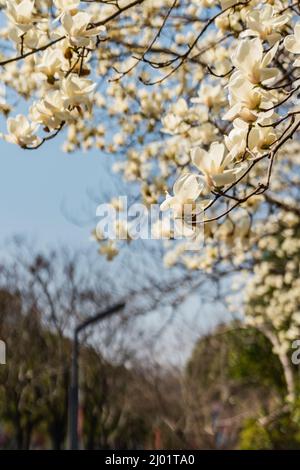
column 45, row 193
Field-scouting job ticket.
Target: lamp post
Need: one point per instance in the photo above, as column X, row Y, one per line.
column 73, row 397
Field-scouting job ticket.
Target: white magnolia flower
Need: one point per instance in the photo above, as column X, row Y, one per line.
column 51, row 111
column 210, row 95
column 78, row 28
column 20, row 14
column 32, row 39
column 66, row 5
column 4, row 106
column 76, row 90
column 50, row 62
column 180, row 108
column 292, row 43
column 247, row 101
column 236, row 141
column 213, row 165
column 21, row 131
column 259, row 138
column 173, row 124
column 266, row 23
column 186, row 191
column 252, row 63
column 228, row 3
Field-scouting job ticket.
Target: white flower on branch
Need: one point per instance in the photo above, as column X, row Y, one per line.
column 252, row 63
column 247, row 100
column 266, row 23
column 21, row 131
column 211, row 96
column 258, row 139
column 228, row 3
column 214, row 165
column 50, row 63
column 79, row 28
column 20, row 14
column 186, row 191
column 292, row 43
column 261, row 138
column 236, row 139
column 51, row 111
column 174, row 124
column 77, row 91
column 67, row 5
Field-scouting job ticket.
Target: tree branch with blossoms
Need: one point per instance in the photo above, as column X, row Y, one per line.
column 201, row 90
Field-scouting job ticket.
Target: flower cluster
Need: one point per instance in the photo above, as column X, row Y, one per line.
column 220, row 118
column 57, row 60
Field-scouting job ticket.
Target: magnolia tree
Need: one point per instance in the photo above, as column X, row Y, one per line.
column 200, row 95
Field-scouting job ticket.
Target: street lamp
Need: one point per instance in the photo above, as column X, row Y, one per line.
column 73, row 403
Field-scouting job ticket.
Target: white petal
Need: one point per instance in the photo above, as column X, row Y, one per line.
column 190, row 188
column 269, row 56
column 216, row 153
column 297, row 32
column 167, row 203
column 199, row 158
column 227, row 177
column 291, row 44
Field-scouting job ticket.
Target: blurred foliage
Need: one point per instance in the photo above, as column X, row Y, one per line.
column 230, row 394
column 236, row 377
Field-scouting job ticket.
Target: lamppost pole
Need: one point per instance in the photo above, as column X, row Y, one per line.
column 73, row 397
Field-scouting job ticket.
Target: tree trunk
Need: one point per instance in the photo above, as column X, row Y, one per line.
column 285, row 362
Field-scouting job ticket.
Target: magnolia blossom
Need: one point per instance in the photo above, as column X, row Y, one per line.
column 174, row 124
column 292, row 43
column 4, row 106
column 186, row 191
column 76, row 91
column 180, row 108
column 259, row 139
column 78, row 30
column 20, row 14
column 21, row 131
column 213, row 165
column 210, row 96
column 66, row 5
column 51, row 111
column 228, row 3
column 50, row 63
column 247, row 101
column 252, row 63
column 266, row 23
column 236, row 139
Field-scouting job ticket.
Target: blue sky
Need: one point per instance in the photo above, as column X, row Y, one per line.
column 41, row 192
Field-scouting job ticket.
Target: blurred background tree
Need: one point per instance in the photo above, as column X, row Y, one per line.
column 231, row 392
